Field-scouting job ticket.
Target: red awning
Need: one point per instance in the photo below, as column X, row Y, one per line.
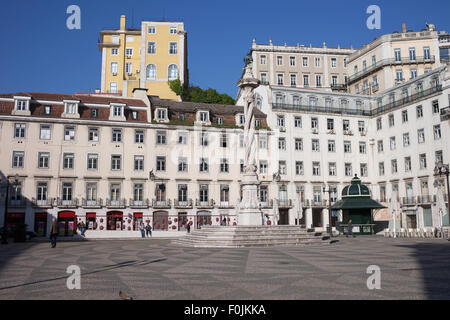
column 41, row 215
column 91, row 215
column 66, row 214
column 138, row 215
column 115, row 214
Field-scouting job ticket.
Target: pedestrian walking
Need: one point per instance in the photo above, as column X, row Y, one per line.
column 224, row 221
column 188, row 227
column 148, row 229
column 53, row 232
column 83, row 228
column 350, row 229
column 142, row 228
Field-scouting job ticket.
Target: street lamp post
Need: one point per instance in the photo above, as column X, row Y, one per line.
column 444, row 169
column 5, row 231
column 329, row 209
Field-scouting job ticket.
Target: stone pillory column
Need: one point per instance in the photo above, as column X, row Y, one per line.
column 249, row 213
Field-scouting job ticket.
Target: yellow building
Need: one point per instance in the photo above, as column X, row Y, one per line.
column 144, row 58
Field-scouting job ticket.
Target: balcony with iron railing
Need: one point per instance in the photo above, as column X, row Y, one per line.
column 139, row 204
column 179, row 204
column 426, row 199
column 445, row 114
column 409, row 201
column 266, row 204
column 47, row 203
column 161, row 204
column 204, row 204
column 91, row 203
column 387, row 62
column 318, row 203
column 67, row 203
column 17, row 203
column 279, row 106
column 225, row 205
column 116, row 204
column 284, row 203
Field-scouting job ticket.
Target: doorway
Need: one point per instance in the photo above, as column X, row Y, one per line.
column 284, row 217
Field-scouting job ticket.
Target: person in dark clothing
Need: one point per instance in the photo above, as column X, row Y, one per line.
column 53, row 232
column 188, row 227
column 350, row 229
column 148, row 229
column 142, row 228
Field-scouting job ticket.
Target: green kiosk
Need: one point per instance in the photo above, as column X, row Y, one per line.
column 357, row 205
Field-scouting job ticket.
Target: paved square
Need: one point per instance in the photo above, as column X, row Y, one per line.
column 157, row 269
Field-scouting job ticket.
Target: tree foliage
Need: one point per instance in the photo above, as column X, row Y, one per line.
column 197, row 94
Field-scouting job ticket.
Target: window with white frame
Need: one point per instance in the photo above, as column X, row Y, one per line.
column 139, row 163
column 161, row 137
column 262, row 59
column 93, row 135
column 114, row 68
column 139, row 136
column 116, row 162
column 151, row 29
column 161, row 114
column 299, row 144
column 437, row 132
column 69, row 133
column 203, row 167
column 263, row 166
column 173, row 30
column 129, row 52
column 92, row 161
column 68, row 160
column 116, row 135
column 173, row 48
column 18, row 159
column 299, row 170
column 45, row 132
column 332, row 169
column 182, row 164
column 173, row 72
column 43, row 160
column 423, row 161
column 298, row 122
column 161, row 163
column 151, row 47
column 316, row 168
column 348, row 170
column 421, row 135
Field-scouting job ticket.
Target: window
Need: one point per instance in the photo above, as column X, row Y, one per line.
column 347, row 146
column 318, row 80
column 151, row 72
column 182, row 192
column 293, row 80
column 69, row 133
column 224, row 165
column 19, row 130
column 263, row 166
column 173, row 30
column 363, row 169
column 279, row 60
column 203, row 195
column 419, row 111
column 362, row 148
column 394, row 168
column 93, row 135
column 262, row 59
column 399, row 75
column 263, row 142
column 21, row 105
column 397, row 54
column 438, row 156
column 282, row 143
column 92, row 161
column 407, row 164
column 381, row 168
column 139, row 136
column 435, row 105
column 316, row 168
column 182, row 164
column 314, row 123
column 426, row 53
column 423, row 161
column 129, row 68
column 116, row 162
column 173, row 72
column 41, row 191
column 405, row 116
column 116, row 135
column 306, row 80
column 138, row 192
column 139, row 163
column 330, row 124
column 152, row 29
column 203, row 116
column 406, row 139
column 379, row 124
column 182, row 138
column 331, row 146
column 315, row 145
column 380, row 146
column 91, row 191
column 292, row 61
column 392, row 143
column 333, row 62
column 203, row 165
column 413, row 74
column 334, row 80
column 114, row 192
column 346, row 125
column 332, row 169
column 173, row 48
column 114, row 68
column 421, row 135
column 94, row 113
column 280, row 121
column 299, row 168
column 282, row 167
column 298, row 122
column 203, row 139
column 67, row 190
column 391, row 120
column 437, row 132
column 317, row 62
column 280, row 79
column 161, row 114
column 68, row 160
column 151, row 48
column 160, row 163
column 305, row 61
column 298, row 144
column 44, row 160
column 47, row 110
column 361, row 126
column 114, row 51
column 219, row 120
column 241, row 165
column 412, row 54
column 45, row 132
column 223, row 140
column 263, row 78
column 161, row 137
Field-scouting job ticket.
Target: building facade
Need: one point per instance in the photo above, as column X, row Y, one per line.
column 148, row 57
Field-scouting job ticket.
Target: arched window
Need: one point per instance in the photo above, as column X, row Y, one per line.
column 151, row 72
column 173, row 72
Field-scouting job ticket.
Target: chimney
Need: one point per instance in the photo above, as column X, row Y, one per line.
column 123, row 22
column 403, row 27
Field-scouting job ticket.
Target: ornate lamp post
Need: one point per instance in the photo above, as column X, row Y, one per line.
column 444, row 169
column 8, row 183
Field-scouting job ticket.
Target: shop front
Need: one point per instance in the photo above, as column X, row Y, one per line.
column 138, row 217
column 66, row 223
column 15, row 218
column 182, row 220
column 40, row 223
column 160, row 221
column 114, row 220
column 91, row 221
column 203, row 219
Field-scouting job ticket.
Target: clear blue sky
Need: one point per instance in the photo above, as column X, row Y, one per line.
column 39, row 53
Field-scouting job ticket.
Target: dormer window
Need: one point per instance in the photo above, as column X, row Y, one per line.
column 47, row 110
column 240, row 119
column 117, row 112
column 22, row 105
column 161, row 114
column 94, row 113
column 203, row 116
column 219, row 120
column 71, row 109
column 134, row 115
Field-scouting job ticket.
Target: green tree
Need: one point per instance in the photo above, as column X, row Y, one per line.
column 197, row 94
